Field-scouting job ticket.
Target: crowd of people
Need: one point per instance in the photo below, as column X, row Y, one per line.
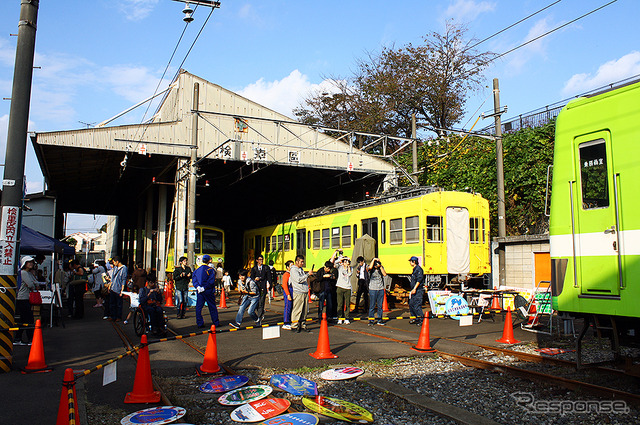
column 330, row 285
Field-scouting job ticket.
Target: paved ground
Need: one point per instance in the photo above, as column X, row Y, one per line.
column 83, row 344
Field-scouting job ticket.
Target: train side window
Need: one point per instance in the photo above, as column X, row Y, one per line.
column 274, row 242
column 346, row 236
column 593, row 174
column 326, row 239
column 434, row 228
column 474, row 230
column 355, row 233
column 395, row 231
column 316, row 239
column 267, row 246
column 484, row 232
column 292, row 243
column 383, row 231
column 309, row 239
column 335, row 237
column 279, row 242
column 412, row 229
column 287, row 242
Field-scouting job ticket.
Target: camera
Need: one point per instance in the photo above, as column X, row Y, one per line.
column 377, row 263
column 340, row 251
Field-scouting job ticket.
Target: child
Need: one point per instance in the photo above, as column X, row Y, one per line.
column 250, row 292
column 226, row 282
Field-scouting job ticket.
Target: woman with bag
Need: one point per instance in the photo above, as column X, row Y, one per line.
column 96, row 280
column 29, row 285
column 78, row 285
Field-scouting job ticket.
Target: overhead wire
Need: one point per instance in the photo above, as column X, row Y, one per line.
column 540, row 36
column 513, row 25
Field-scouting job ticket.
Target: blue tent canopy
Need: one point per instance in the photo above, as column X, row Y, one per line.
column 33, row 242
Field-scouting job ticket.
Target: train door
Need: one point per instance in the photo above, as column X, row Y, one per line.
column 595, row 217
column 301, row 239
column 370, row 227
column 458, row 240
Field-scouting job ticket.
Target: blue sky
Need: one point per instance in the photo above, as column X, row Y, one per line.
column 100, row 57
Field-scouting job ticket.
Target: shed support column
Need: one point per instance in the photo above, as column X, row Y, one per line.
column 139, row 230
column 112, row 236
column 148, row 230
column 181, row 209
column 161, row 255
column 131, row 250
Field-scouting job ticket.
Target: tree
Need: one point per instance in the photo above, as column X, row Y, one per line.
column 430, row 80
column 470, row 165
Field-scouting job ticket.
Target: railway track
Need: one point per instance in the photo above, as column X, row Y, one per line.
column 571, row 384
column 574, row 385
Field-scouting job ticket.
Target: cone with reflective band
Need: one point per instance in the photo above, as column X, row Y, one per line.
column 36, row 361
column 67, row 411
column 143, row 385
column 324, row 350
column 424, row 341
column 223, row 299
column 210, row 362
column 507, row 332
column 168, row 295
column 385, row 306
column 495, row 303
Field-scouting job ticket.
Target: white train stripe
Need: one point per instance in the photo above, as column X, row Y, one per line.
column 595, row 244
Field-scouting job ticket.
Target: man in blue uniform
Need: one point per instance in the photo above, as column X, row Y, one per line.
column 204, row 280
column 417, row 291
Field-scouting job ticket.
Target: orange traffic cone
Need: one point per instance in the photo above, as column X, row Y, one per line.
column 143, row 385
column 36, row 361
column 324, row 350
column 168, row 294
column 495, row 303
column 68, row 411
column 507, row 332
column 223, row 299
column 210, row 362
column 385, row 306
column 424, row 341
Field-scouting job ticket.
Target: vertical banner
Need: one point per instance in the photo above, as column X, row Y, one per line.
column 8, row 240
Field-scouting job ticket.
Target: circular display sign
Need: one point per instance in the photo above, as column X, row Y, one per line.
column 341, row 373
column 223, row 383
column 298, row 418
column 455, row 306
column 155, row 415
column 245, row 395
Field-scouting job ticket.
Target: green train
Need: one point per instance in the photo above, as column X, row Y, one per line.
column 595, row 218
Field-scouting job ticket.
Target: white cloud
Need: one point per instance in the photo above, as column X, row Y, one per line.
column 282, row 95
column 609, row 72
column 7, row 53
column 534, row 50
column 35, row 187
column 134, row 83
column 136, row 10
column 4, row 127
column 467, row 10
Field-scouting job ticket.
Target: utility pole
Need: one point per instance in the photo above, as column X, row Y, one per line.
column 191, row 206
column 13, row 182
column 502, row 225
column 414, row 144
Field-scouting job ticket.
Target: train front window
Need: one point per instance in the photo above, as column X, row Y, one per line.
column 212, row 242
column 593, row 175
column 197, row 241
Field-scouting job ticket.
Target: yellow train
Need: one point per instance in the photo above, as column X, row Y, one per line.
column 448, row 231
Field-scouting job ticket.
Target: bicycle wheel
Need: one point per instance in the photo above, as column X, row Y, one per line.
column 139, row 324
